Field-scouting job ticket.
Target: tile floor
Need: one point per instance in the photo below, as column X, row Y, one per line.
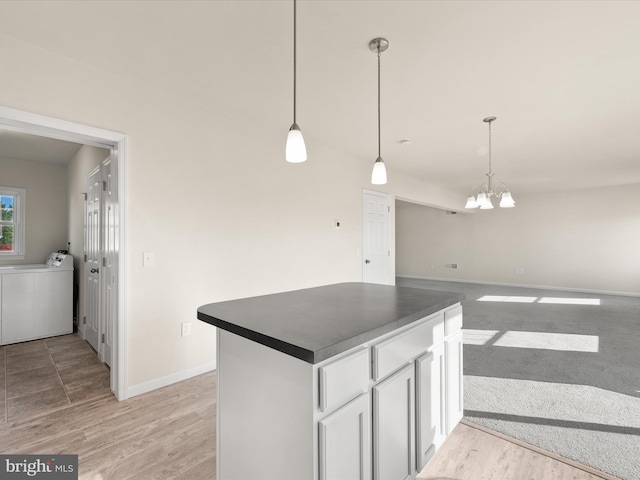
column 43, row 375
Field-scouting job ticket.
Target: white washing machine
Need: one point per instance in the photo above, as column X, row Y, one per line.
column 36, row 301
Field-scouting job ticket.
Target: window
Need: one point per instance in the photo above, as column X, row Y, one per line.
column 11, row 223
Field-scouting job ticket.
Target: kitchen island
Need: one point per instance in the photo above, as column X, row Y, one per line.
column 352, row 380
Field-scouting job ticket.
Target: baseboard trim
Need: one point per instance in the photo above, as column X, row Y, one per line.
column 522, row 285
column 541, row 451
column 169, row 379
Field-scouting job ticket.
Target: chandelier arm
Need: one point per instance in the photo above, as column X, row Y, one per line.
column 483, row 188
column 500, row 188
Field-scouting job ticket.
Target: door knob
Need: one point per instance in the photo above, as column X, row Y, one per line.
column 94, row 270
column 367, row 261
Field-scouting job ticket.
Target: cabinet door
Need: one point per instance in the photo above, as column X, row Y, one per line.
column 394, row 426
column 18, row 307
column 430, row 404
column 345, row 442
column 453, row 361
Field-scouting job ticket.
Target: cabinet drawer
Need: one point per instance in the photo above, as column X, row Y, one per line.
column 343, row 379
column 394, row 352
column 452, row 320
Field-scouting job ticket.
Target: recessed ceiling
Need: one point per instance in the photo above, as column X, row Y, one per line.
column 561, row 77
column 23, row 146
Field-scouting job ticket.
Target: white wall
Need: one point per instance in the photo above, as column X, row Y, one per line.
column 210, row 194
column 79, row 166
column 585, row 240
column 46, row 203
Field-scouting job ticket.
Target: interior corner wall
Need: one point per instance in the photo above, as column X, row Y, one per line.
column 208, row 191
column 84, row 161
column 46, row 214
column 583, row 240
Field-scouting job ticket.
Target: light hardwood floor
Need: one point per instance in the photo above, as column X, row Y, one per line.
column 475, row 453
column 165, row 434
column 170, row 434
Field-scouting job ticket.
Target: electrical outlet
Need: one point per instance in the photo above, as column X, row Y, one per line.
column 186, row 329
column 336, row 224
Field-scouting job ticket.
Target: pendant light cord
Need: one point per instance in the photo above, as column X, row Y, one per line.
column 378, row 100
column 294, row 62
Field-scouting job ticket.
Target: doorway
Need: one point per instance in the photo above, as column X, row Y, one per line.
column 40, row 125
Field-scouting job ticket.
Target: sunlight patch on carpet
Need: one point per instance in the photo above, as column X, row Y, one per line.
column 549, row 341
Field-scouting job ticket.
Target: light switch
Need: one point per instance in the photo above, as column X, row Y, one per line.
column 186, row 329
column 148, row 259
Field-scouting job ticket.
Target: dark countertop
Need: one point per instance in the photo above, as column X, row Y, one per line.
column 317, row 323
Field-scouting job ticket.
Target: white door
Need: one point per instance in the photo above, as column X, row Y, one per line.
column 92, row 250
column 109, row 265
column 393, row 427
column 345, row 442
column 376, row 253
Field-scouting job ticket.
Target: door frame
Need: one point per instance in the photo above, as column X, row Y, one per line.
column 35, row 124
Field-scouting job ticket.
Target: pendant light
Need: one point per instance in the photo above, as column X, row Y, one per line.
column 379, row 173
column 485, row 191
column 295, row 151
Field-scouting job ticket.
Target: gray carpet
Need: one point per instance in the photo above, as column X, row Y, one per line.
column 554, row 369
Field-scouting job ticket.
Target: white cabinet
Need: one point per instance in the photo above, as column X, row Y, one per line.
column 18, row 307
column 430, row 404
column 393, row 426
column 345, row 442
column 453, row 362
column 377, row 411
column 36, row 305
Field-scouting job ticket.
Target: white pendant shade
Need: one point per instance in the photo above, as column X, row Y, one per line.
column 379, row 173
column 487, row 205
column 296, row 151
column 471, row 203
column 507, row 201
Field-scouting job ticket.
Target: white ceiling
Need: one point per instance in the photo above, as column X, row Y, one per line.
column 563, row 77
column 23, row 146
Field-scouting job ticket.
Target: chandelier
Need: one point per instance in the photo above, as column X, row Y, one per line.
column 481, row 194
